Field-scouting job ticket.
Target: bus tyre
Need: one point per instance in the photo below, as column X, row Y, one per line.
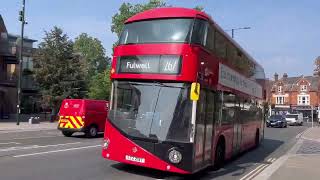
column 219, row 155
column 92, row 131
column 67, row 134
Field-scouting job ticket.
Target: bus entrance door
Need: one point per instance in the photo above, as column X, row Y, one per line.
column 204, row 129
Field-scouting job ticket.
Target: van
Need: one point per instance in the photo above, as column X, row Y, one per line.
column 82, row 115
column 294, row 119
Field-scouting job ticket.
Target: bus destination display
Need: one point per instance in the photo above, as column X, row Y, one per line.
column 165, row 64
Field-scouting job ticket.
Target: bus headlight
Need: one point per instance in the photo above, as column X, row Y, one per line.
column 106, row 143
column 175, row 156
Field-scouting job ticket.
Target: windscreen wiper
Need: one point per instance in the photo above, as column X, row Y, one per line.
column 166, row 85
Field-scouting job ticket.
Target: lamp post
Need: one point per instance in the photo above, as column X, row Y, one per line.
column 235, row 29
column 23, row 22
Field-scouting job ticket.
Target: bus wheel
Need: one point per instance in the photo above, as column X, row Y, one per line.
column 219, row 155
column 257, row 138
column 92, row 131
column 67, row 134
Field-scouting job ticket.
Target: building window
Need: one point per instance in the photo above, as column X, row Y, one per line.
column 280, row 100
column 279, row 89
column 27, row 63
column 303, row 100
column 4, row 35
column 11, row 72
column 303, row 88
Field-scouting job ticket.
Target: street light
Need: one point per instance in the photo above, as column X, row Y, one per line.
column 235, row 29
column 23, row 22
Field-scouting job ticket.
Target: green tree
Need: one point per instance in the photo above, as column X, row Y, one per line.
column 199, row 8
column 58, row 70
column 100, row 86
column 127, row 10
column 93, row 52
column 316, row 71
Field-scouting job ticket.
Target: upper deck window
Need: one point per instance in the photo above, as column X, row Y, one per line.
column 157, row 31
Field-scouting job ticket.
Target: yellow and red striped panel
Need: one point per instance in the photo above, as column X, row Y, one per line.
column 74, row 122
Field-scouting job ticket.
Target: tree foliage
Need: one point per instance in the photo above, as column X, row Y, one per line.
column 97, row 62
column 58, row 70
column 199, row 8
column 127, row 10
column 316, row 71
column 93, row 52
column 100, row 86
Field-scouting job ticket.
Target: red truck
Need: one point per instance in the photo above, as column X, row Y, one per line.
column 82, row 115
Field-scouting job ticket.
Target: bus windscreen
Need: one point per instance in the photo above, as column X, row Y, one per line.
column 156, row 31
column 158, row 111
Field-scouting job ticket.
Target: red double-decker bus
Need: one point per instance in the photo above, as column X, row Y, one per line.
column 184, row 96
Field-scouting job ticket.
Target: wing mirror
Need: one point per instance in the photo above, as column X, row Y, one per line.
column 195, row 91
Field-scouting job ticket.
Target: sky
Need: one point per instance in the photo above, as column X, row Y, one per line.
column 284, row 35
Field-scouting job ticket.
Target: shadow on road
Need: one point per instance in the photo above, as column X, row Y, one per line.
column 83, row 136
column 237, row 167
column 152, row 173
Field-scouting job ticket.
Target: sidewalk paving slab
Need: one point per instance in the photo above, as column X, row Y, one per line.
column 301, row 162
column 299, row 167
column 25, row 126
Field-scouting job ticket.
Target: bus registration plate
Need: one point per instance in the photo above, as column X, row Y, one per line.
column 135, row 159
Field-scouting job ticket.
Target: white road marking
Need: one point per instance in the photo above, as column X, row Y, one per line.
column 257, row 170
column 9, row 143
column 249, row 174
column 15, row 148
column 62, row 150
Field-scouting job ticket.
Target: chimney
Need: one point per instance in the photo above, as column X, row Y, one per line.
column 276, row 77
column 285, row 76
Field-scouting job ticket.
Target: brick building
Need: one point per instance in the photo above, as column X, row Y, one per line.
column 9, row 68
column 294, row 94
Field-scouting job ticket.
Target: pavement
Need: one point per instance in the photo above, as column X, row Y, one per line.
column 6, row 127
column 300, row 162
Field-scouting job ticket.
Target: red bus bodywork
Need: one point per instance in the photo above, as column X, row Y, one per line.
column 195, row 60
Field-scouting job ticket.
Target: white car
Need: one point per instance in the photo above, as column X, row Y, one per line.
column 294, row 119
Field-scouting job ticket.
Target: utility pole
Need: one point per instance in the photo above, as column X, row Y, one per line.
column 312, row 115
column 23, row 22
column 234, row 29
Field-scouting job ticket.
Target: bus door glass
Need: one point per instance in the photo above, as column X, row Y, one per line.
column 209, row 120
column 200, row 130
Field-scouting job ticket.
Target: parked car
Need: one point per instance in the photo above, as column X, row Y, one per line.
column 82, row 115
column 294, row 119
column 276, row 121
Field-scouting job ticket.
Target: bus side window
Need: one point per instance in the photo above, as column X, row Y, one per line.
column 228, row 108
column 220, row 45
column 210, row 108
column 210, row 38
column 199, row 30
column 218, row 108
column 232, row 55
column 245, row 110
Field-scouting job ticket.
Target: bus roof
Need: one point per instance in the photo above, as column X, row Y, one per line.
column 168, row 12
column 176, row 12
